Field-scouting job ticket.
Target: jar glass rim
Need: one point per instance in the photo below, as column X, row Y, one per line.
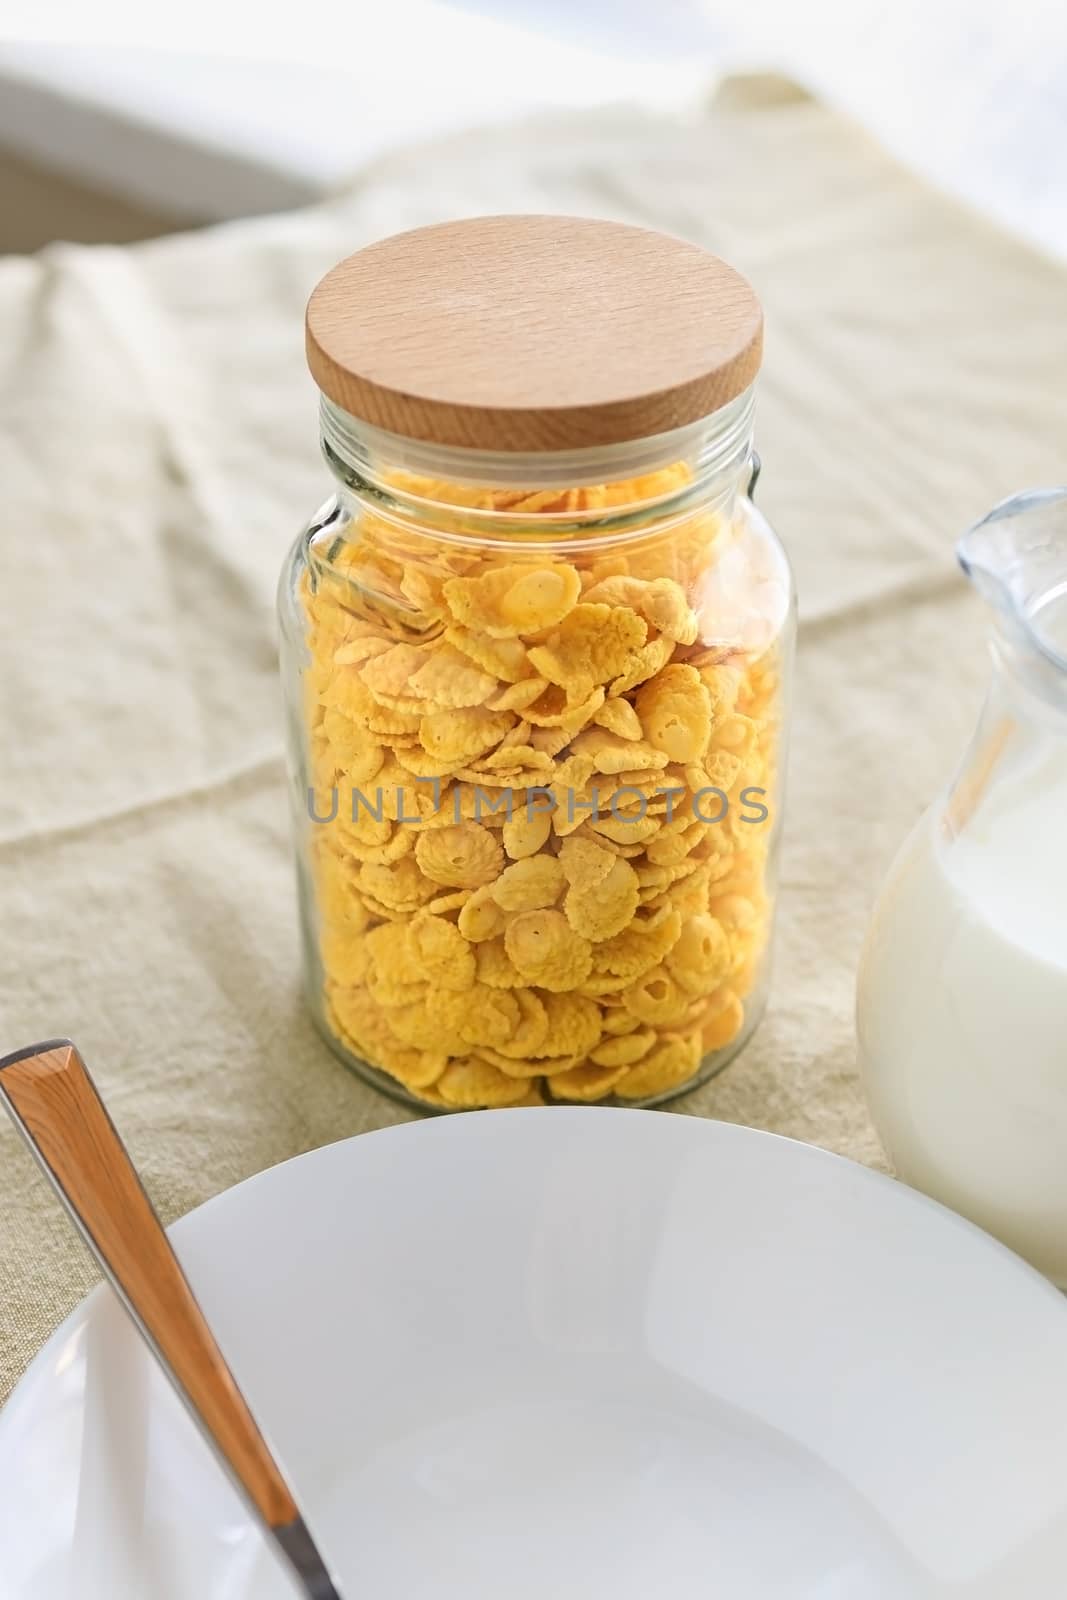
column 374, row 465
column 708, row 443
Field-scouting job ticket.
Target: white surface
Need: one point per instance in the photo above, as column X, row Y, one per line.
column 570, row 1353
column 298, row 106
column 216, row 108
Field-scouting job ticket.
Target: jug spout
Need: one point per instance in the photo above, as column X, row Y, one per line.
column 1017, row 559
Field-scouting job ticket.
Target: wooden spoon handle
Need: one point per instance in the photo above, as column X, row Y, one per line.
column 53, row 1099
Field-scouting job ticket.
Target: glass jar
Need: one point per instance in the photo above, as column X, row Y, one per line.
column 536, row 712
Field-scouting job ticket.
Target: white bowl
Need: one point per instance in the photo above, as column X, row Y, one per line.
column 569, row 1353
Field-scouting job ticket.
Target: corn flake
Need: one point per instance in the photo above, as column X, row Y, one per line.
column 675, row 712
column 585, row 863
column 525, row 833
column 644, row 664
column 664, row 1068
column 529, row 885
column 624, row 1049
column 638, row 948
column 593, row 644
column 533, row 1026
column 461, row 855
column 585, row 1083
column 603, row 909
column 439, row 952
column 657, row 998
column 547, row 951
column 722, row 1029
column 355, row 750
column 554, row 708
column 338, row 898
column 517, row 696
column 611, row 754
column 477, row 1083
column 620, row 718
column 481, row 918
column 504, row 658
column 459, row 736
column 389, row 674
column 511, row 600
column 422, row 1025
column 573, row 1026
column 345, row 958
column 626, row 830
column 448, row 902
column 400, row 886
column 665, row 606
column 701, row 956
column 450, row 678
column 495, row 967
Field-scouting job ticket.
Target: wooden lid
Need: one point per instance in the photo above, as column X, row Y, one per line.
column 532, row 333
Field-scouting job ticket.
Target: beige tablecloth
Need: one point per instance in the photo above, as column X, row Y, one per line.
column 157, row 454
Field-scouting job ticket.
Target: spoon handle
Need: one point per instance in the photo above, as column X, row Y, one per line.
column 55, row 1104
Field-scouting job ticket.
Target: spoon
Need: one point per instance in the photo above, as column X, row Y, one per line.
column 57, row 1107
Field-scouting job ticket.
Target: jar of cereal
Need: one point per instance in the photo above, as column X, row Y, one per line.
column 535, row 649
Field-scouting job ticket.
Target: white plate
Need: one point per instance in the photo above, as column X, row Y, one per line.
column 571, row 1354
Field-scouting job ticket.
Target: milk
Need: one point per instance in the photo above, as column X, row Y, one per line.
column 963, row 1011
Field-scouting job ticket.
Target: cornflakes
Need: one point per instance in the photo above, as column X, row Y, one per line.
column 593, row 644
column 356, row 750
column 507, row 601
column 448, row 902
column 620, row 718
column 610, row 754
column 556, row 707
column 525, row 834
column 664, row 1068
column 547, row 951
column 722, row 1029
column 624, row 1048
column 533, row 1026
column 700, row 957
column 584, row 863
column 529, row 885
column 585, row 1083
column 345, row 957
column 645, row 663
column 656, row 998
column 523, row 888
column 458, row 736
column 572, row 1026
column 495, row 967
column 439, row 952
column 597, row 911
column 675, row 711
column 481, row 917
column 625, row 830
column 462, row 856
column 517, row 696
column 639, row 947
column 450, row 679
column 400, row 885
column 388, row 675
column 476, row 1083
column 503, row 658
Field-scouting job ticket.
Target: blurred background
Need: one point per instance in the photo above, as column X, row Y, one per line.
column 121, row 122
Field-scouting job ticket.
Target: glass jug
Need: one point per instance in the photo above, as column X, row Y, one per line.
column 962, row 1001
